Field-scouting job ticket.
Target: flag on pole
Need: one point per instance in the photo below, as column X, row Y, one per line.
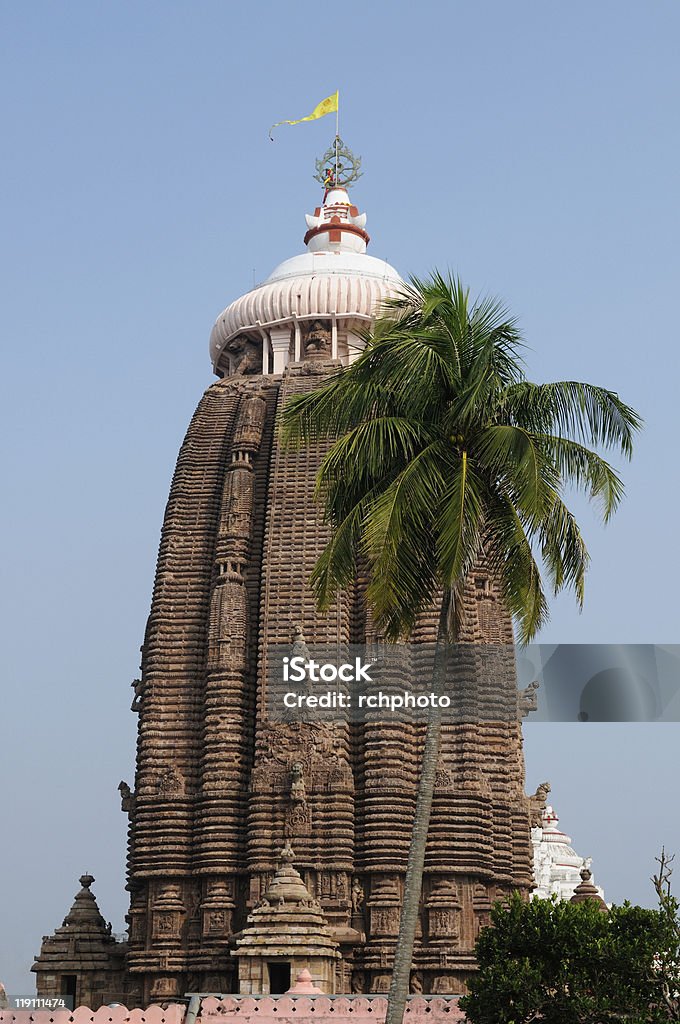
column 327, row 106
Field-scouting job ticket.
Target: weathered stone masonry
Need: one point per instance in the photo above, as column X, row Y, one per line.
column 219, row 791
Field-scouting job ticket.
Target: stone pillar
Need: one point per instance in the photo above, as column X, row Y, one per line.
column 280, row 340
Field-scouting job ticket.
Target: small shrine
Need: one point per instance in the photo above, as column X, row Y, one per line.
column 286, row 933
column 82, row 960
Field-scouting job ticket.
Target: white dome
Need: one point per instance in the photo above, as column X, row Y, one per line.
column 556, row 864
column 336, row 282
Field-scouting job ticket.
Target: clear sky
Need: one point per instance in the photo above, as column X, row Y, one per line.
column 530, row 146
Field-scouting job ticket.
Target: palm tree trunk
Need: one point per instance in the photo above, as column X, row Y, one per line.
column 403, row 957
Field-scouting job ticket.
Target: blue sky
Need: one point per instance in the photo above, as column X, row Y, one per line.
column 531, row 147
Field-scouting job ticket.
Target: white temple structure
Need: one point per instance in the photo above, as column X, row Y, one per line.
column 557, row 866
column 315, row 304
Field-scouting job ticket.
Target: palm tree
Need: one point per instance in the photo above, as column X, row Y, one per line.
column 443, row 453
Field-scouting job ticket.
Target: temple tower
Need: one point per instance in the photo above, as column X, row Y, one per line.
column 82, row 960
column 219, row 789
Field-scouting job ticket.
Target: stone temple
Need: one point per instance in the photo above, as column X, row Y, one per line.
column 258, row 849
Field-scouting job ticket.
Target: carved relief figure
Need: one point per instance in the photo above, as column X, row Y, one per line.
column 357, row 897
column 169, row 783
column 537, row 804
column 127, row 797
column 417, row 983
column 528, row 699
column 358, row 985
column 317, row 340
column 166, row 924
column 216, row 920
column 137, row 686
column 246, row 356
column 300, row 648
column 297, row 784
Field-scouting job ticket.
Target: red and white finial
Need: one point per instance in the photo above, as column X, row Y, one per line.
column 337, row 225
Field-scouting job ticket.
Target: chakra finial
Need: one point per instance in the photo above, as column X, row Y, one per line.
column 338, row 166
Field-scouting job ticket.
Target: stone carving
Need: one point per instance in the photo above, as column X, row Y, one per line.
column 168, row 913
column 358, row 983
column 165, row 924
column 297, row 784
column 286, row 854
column 298, row 819
column 298, row 813
column 299, row 648
column 215, row 775
column 316, row 340
column 249, row 426
column 165, row 988
column 138, row 688
column 169, row 783
column 528, row 699
column 537, row 804
column 417, row 983
column 216, row 921
column 357, row 897
column 443, row 985
column 443, row 908
column 384, row 920
column 246, row 356
column 127, row 798
column 314, row 745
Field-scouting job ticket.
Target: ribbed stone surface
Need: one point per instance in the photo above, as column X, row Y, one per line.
column 219, row 790
column 213, row 800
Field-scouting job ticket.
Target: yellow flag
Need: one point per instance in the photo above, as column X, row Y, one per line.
column 327, row 106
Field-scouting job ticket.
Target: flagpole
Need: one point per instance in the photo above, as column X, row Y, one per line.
column 337, row 134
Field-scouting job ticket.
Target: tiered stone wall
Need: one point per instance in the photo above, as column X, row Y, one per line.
column 220, row 788
column 220, row 783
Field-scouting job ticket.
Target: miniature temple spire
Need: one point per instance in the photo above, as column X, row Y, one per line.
column 288, row 927
column 585, row 891
column 82, row 953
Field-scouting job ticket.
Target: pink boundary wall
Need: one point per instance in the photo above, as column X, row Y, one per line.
column 323, row 1009
column 174, row 1014
column 254, row 1010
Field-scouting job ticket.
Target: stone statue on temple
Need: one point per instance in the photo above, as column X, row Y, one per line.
column 537, row 804
column 246, row 356
column 528, row 699
column 317, row 340
column 297, row 784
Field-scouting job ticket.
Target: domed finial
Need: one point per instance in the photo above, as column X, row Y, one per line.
column 86, row 880
column 336, row 225
column 549, row 818
column 304, row 984
column 586, row 890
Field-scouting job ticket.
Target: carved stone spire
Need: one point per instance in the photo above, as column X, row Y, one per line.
column 288, row 926
column 84, row 948
column 586, row 891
